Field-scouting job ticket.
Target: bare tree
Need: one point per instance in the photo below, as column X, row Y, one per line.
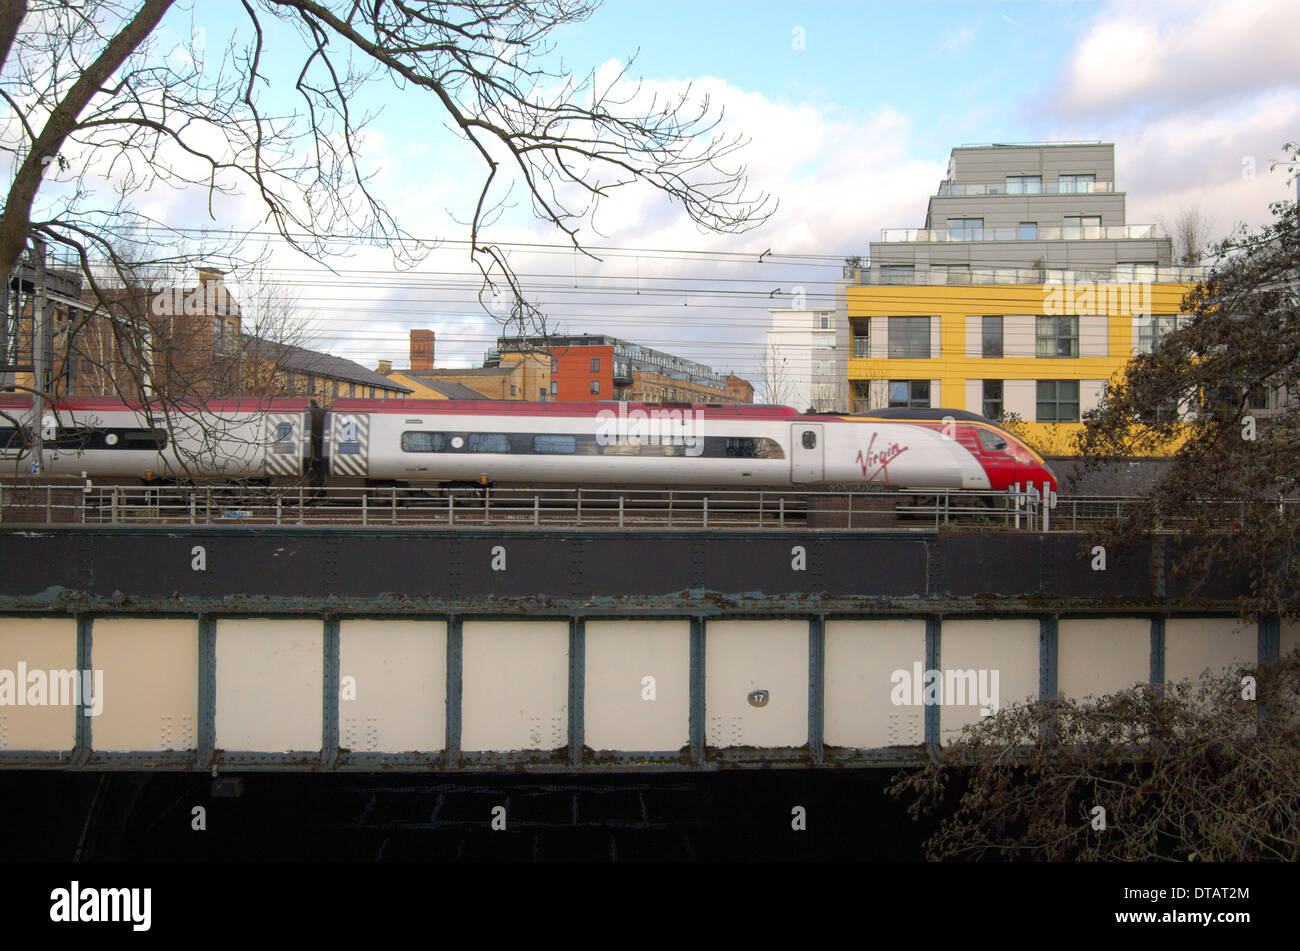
column 1205, row 771
column 1190, row 230
column 1221, row 388
column 94, row 96
column 775, row 378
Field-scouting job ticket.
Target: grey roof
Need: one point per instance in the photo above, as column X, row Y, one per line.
column 454, row 391
column 423, row 375
column 301, row 360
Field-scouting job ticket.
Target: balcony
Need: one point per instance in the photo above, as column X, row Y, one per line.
column 953, row 190
column 937, row 235
column 622, row 372
column 963, row 275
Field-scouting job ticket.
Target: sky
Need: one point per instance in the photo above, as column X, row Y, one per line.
column 850, row 110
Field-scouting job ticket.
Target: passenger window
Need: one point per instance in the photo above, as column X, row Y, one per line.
column 554, row 445
column 488, row 442
column 143, row 439
column 809, row 439
column 742, row 448
column 423, row 442
column 991, row 442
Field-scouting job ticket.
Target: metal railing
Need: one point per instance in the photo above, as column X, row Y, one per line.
column 1074, row 233
column 952, row 189
column 1022, row 508
column 940, row 274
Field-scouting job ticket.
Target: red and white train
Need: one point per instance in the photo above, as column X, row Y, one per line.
column 357, row 442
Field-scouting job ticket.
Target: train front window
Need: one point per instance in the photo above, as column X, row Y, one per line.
column 991, row 442
column 423, row 442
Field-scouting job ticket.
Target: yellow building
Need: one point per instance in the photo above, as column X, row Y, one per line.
column 517, row 377
column 1043, row 352
column 1024, row 293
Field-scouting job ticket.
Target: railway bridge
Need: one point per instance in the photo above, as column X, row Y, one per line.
column 569, row 649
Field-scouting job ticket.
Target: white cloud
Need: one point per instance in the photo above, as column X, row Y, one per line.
column 1192, row 96
column 1159, row 56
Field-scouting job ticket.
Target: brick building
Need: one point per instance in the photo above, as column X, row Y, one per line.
column 591, row 367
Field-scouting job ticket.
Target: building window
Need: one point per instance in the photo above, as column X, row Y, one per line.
column 823, row 368
column 861, row 347
column 1024, row 184
column 1058, row 401
column 897, row 274
column 992, row 407
column 1058, row 337
column 372, row 392
column 555, row 388
column 909, row 337
column 1028, row 231
column 965, row 229
column 512, row 389
column 1166, row 412
column 1152, row 329
column 1136, row 272
column 595, row 364
column 912, row 393
column 1076, row 225
column 352, row 389
column 595, row 387
column 824, row 322
column 336, row 388
column 555, row 364
column 992, row 338
column 541, row 393
column 1071, row 184
column 220, row 326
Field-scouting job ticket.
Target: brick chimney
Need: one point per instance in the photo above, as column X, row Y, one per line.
column 385, row 366
column 421, row 349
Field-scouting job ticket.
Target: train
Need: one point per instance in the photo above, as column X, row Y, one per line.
column 494, row 442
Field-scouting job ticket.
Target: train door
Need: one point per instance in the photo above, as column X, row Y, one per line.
column 348, row 444
column 806, row 453
column 285, row 453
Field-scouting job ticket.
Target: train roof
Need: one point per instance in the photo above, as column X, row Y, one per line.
column 240, row 404
column 529, row 408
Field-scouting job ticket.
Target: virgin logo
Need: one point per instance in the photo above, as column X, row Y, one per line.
column 875, row 463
